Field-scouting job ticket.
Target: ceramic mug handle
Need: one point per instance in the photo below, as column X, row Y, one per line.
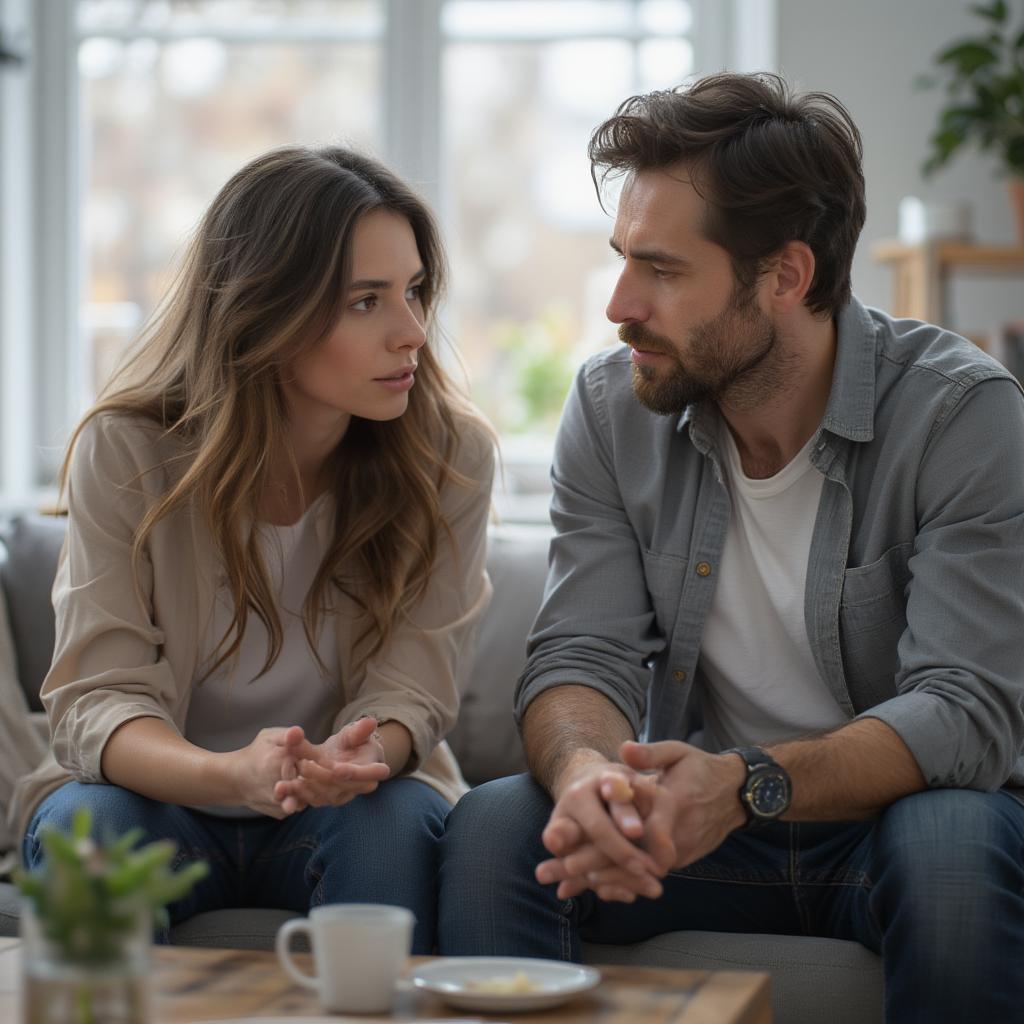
column 297, row 926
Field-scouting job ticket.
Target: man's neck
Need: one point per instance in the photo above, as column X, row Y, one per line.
column 769, row 435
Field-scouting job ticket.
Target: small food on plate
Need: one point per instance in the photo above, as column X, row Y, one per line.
column 504, row 985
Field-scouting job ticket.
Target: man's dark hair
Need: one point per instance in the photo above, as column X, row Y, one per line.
column 774, row 167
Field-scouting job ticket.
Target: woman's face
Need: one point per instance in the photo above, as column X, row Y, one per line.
column 364, row 367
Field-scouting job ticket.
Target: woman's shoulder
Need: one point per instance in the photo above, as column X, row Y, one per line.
column 473, row 445
column 112, row 443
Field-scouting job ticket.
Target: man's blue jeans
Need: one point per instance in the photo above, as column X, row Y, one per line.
column 381, row 847
column 935, row 886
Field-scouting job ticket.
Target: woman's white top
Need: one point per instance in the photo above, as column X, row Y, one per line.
column 763, row 685
column 233, row 704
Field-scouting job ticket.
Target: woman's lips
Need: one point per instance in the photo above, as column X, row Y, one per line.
column 400, row 382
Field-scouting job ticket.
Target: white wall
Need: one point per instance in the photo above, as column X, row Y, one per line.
column 868, row 53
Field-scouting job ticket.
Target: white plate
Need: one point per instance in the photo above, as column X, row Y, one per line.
column 453, row 978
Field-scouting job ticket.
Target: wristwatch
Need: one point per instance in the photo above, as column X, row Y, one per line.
column 767, row 789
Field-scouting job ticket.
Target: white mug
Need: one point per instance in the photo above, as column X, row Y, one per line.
column 359, row 951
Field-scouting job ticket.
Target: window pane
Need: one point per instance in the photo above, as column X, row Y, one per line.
column 337, row 18
column 164, row 125
column 532, row 268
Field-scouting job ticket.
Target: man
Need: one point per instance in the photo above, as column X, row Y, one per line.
column 802, row 522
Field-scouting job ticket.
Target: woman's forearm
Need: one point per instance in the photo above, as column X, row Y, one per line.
column 148, row 757
column 397, row 743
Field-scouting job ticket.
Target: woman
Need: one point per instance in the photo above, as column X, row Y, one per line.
column 275, row 556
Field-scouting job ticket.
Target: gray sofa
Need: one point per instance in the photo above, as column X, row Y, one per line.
column 812, row 979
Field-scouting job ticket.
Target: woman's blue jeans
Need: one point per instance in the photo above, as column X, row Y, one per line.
column 935, row 886
column 381, row 847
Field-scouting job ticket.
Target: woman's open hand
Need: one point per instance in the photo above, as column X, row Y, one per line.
column 344, row 766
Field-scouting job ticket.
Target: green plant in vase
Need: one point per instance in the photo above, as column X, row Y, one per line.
column 87, row 923
column 984, row 79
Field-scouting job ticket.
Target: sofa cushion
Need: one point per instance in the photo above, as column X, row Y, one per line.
column 33, row 544
column 485, row 739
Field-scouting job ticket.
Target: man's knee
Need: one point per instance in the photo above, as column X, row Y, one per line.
column 950, row 856
column 499, row 819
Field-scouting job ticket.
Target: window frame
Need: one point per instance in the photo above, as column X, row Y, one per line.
column 42, row 371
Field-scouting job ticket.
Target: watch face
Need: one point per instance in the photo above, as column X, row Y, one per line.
column 768, row 792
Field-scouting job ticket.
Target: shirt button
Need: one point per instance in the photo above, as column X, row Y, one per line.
column 703, row 569
column 680, row 675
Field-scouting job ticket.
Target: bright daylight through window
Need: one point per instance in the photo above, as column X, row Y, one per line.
column 131, row 114
column 175, row 96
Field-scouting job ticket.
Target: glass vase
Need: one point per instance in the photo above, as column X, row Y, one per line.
column 63, row 989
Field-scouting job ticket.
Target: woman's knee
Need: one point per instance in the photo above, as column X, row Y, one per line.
column 114, row 810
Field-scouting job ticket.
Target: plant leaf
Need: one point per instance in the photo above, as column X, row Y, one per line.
column 969, row 56
column 997, row 12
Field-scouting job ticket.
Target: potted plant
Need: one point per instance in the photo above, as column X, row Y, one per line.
column 87, row 924
column 984, row 78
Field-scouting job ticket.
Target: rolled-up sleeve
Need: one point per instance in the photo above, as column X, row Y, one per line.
column 960, row 685
column 596, row 625
column 416, row 680
column 108, row 666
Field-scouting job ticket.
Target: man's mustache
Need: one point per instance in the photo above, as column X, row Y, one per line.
column 637, row 335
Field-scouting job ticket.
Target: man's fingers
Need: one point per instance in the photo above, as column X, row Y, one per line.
column 601, row 830
column 658, row 829
column 648, row 756
column 561, row 835
column 641, row 885
column 627, row 817
column 615, row 787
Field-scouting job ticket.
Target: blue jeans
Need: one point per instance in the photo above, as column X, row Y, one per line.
column 381, row 847
column 935, row 886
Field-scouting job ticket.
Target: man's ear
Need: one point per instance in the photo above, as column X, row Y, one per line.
column 791, row 276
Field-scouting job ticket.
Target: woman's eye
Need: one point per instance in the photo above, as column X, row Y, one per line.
column 365, row 304
column 414, row 293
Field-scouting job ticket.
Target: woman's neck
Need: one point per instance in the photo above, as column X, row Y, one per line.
column 297, row 480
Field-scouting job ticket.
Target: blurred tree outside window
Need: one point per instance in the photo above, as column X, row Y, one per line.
column 175, row 96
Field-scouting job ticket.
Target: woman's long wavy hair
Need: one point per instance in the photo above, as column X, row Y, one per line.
column 263, row 281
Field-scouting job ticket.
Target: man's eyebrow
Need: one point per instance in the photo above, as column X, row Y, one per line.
column 379, row 285
column 652, row 255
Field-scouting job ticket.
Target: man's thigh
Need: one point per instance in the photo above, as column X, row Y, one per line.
column 746, row 885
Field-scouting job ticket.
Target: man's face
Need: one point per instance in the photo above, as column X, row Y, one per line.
column 695, row 332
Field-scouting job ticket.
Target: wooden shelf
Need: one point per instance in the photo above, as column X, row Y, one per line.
column 921, row 273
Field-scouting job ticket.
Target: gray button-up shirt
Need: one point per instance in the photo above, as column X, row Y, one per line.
column 915, row 579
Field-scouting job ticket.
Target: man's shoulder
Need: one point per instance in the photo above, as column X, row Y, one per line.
column 918, row 348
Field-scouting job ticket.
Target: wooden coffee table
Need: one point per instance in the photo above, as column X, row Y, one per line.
column 193, row 984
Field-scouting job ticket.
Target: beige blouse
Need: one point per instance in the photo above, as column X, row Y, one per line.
column 119, row 657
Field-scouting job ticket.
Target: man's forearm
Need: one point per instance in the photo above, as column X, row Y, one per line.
column 850, row 774
column 567, row 725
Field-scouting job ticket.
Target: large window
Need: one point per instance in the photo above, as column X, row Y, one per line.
column 143, row 108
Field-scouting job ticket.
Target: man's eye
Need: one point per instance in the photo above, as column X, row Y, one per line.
column 662, row 274
column 365, row 304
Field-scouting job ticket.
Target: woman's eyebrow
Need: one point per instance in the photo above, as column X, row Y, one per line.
column 379, row 284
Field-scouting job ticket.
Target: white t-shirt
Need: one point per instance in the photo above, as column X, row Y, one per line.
column 230, row 707
column 763, row 685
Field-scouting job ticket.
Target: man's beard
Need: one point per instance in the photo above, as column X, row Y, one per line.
column 724, row 357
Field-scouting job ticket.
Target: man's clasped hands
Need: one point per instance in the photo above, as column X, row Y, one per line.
column 619, row 828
